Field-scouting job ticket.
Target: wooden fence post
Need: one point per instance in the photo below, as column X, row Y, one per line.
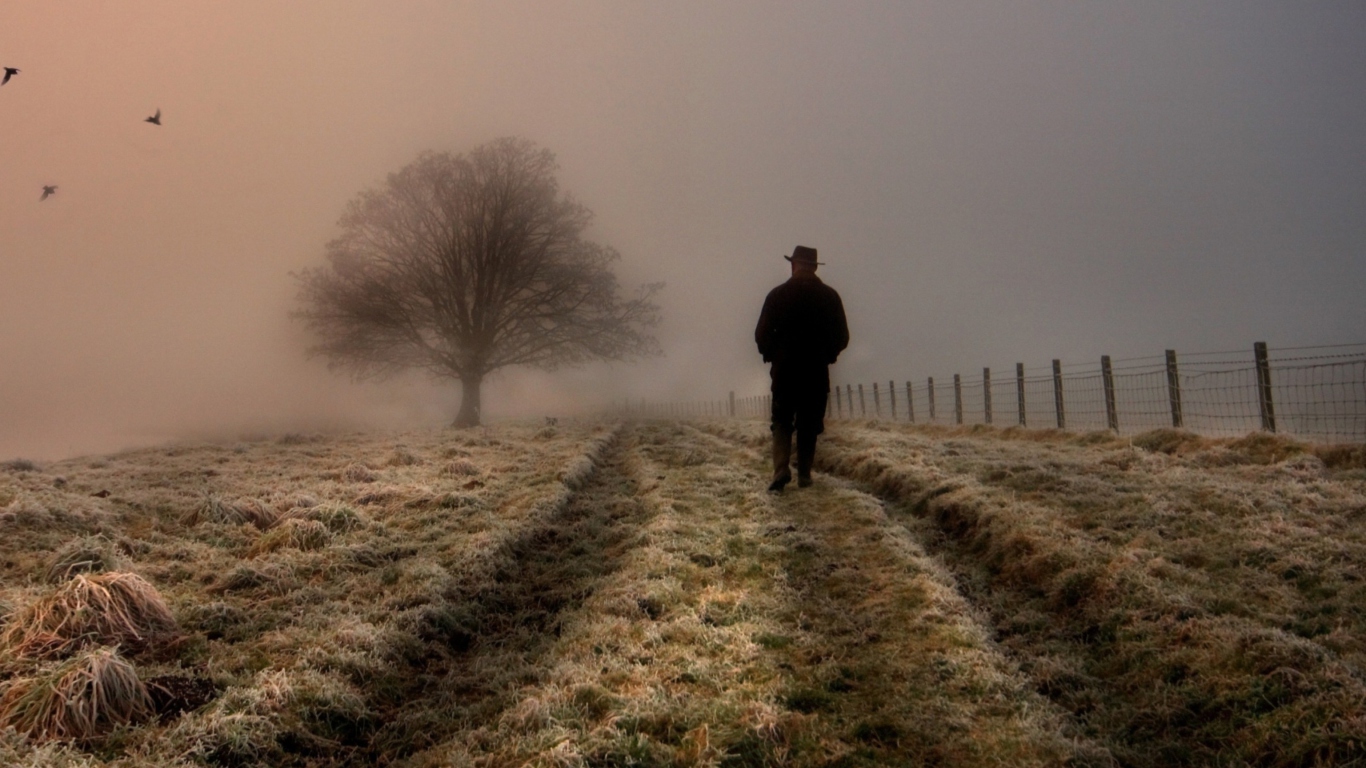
column 910, row 403
column 931, row 393
column 839, row 403
column 862, row 404
column 1057, row 394
column 1267, row 409
column 732, row 404
column 957, row 399
column 1174, row 389
column 986, row 393
column 849, row 397
column 891, row 397
column 877, row 402
column 1107, row 377
column 1019, row 391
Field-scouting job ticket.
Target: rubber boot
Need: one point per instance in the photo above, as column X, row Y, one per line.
column 782, row 458
column 806, row 454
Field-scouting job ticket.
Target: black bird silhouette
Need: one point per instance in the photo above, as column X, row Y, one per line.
column 48, row 191
column 9, row 72
column 155, row 119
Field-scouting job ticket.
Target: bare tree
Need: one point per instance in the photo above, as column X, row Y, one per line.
column 463, row 265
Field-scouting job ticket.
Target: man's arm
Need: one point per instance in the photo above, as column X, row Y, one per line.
column 764, row 331
column 839, row 336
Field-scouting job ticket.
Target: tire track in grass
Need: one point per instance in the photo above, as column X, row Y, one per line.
column 485, row 637
column 1115, row 634
column 747, row 630
column 657, row 666
column 894, row 656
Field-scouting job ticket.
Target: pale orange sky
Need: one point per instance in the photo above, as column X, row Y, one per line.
column 986, row 182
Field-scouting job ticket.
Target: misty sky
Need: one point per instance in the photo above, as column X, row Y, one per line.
column 987, row 183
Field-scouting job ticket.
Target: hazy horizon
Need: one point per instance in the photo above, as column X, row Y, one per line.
column 986, row 183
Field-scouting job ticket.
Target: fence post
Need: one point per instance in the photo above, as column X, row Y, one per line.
column 1174, row 389
column 1107, row 376
column 986, row 393
column 931, row 392
column 1057, row 394
column 1019, row 391
column 839, row 403
column 957, row 399
column 862, row 404
column 732, row 403
column 891, row 397
column 910, row 403
column 877, row 402
column 1264, row 386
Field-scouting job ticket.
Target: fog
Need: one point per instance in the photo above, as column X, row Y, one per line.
column 985, row 182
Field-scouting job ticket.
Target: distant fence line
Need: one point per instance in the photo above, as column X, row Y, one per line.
column 1314, row 393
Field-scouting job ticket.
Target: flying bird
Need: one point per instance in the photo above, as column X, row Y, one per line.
column 9, row 72
column 155, row 119
column 48, row 191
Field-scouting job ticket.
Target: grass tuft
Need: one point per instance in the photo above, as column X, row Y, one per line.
column 461, row 468
column 216, row 620
column 1263, row 448
column 270, row 577
column 358, row 473
column 213, row 509
column 402, row 457
column 292, row 533
column 99, row 609
column 76, row 699
column 338, row 518
column 87, row 554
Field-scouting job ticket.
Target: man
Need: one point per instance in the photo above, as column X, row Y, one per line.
column 801, row 331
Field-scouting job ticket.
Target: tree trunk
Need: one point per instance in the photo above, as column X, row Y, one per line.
column 469, row 401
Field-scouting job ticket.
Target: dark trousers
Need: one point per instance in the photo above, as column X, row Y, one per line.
column 799, row 402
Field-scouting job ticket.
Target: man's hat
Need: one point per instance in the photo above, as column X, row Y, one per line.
column 802, row 254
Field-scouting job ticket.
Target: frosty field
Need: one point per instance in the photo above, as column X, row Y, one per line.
column 615, row 594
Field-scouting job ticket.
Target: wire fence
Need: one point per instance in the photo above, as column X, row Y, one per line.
column 1312, row 393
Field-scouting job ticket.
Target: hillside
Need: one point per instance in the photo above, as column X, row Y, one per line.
column 627, row 594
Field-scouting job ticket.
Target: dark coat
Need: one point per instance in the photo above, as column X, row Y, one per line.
column 802, row 330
